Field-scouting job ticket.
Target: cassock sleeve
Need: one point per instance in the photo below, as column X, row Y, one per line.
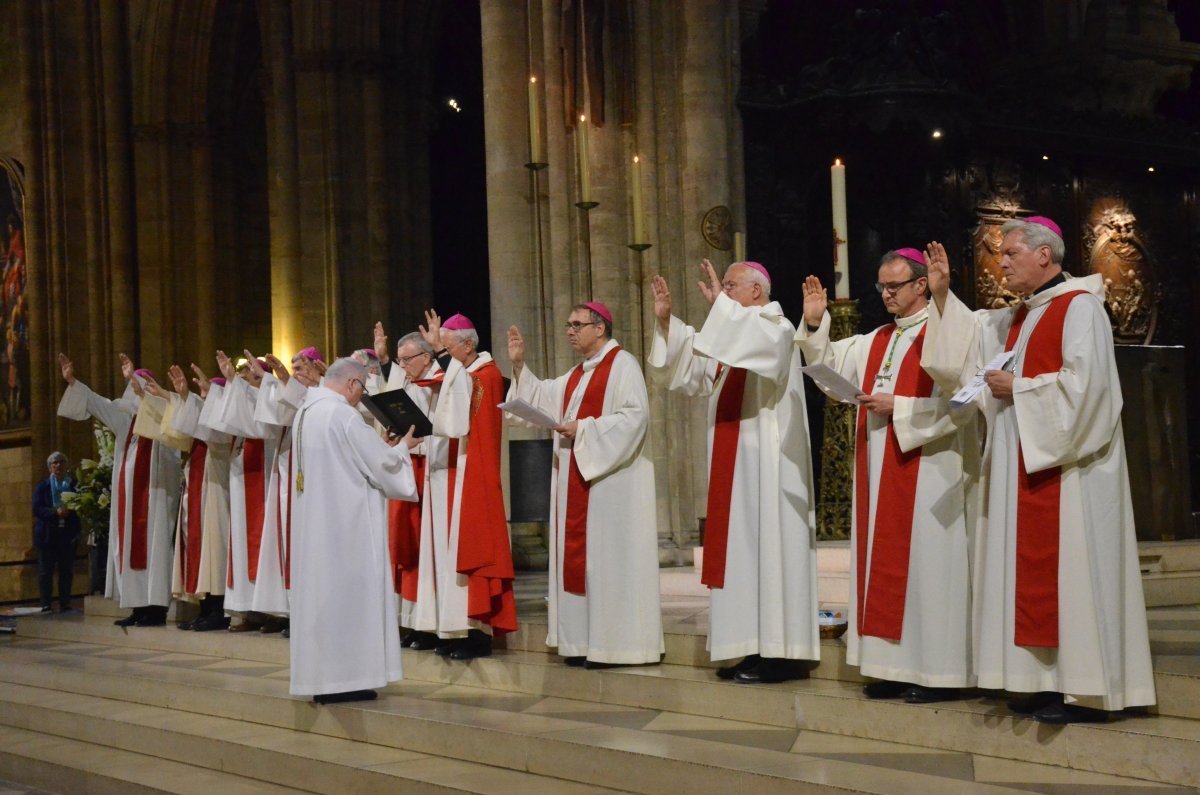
column 1070, row 414
column 755, row 338
column 673, row 361
column 153, row 423
column 293, row 394
column 919, row 421
column 79, row 403
column 952, row 353
column 210, row 411
column 451, row 418
column 269, row 408
column 545, row 395
column 387, row 469
column 606, row 443
column 840, row 355
column 238, row 408
column 185, row 419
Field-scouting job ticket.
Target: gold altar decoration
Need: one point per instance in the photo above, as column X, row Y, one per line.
column 1117, row 252
column 717, row 228
column 837, row 447
column 991, row 288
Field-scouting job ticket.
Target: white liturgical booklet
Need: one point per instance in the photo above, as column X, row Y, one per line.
column 969, row 392
column 833, row 383
column 522, row 410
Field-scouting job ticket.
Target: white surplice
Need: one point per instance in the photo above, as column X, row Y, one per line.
column 276, row 408
column 183, row 416
column 934, row 649
column 151, row 585
column 768, row 604
column 233, row 413
column 343, row 609
column 1069, row 419
column 619, row 618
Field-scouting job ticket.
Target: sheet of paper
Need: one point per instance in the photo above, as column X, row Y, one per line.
column 833, row 383
column 522, row 410
column 976, row 385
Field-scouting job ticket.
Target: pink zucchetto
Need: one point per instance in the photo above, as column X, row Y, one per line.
column 219, row 381
column 1042, row 220
column 367, row 352
column 912, row 255
column 601, row 310
column 311, row 353
column 144, row 373
column 758, row 267
column 458, row 323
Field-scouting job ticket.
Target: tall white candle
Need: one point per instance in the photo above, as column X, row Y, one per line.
column 841, row 248
column 635, row 181
column 739, row 246
column 535, row 124
column 585, row 168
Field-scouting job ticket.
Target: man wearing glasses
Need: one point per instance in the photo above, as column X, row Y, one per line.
column 759, row 549
column 915, row 466
column 604, row 605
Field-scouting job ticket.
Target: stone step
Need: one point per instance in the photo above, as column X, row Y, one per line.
column 1172, row 588
column 260, row 754
column 1156, row 748
column 1166, row 556
column 58, row 764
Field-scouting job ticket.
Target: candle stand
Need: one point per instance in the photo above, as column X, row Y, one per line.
column 837, row 447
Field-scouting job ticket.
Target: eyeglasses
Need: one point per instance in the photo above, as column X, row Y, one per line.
column 407, row 359
column 575, row 325
column 894, row 287
column 359, row 382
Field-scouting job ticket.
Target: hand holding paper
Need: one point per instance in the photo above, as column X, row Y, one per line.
column 833, row 383
column 525, row 412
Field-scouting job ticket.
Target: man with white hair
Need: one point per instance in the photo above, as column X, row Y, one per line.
column 55, row 533
column 1059, row 610
column 145, row 491
column 464, row 531
column 343, row 609
column 759, row 546
column 916, row 466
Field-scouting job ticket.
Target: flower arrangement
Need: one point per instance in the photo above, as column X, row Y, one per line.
column 93, row 484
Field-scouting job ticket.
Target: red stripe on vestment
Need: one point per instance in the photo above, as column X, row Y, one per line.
column 253, row 461
column 195, row 512
column 578, row 490
column 121, row 501
column 1038, row 494
column 726, row 429
column 139, row 538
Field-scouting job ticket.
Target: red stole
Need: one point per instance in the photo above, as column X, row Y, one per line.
column 287, row 557
column 139, row 531
column 881, row 595
column 194, row 531
column 575, row 541
column 1036, row 602
column 404, row 535
column 726, row 428
column 483, row 551
column 256, row 504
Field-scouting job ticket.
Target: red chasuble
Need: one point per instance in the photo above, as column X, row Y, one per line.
column 404, row 535
column 194, row 531
column 882, row 590
column 138, row 539
column 726, row 429
column 575, row 541
column 1038, row 495
column 483, row 551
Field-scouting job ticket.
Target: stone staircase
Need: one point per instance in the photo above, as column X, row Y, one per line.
column 1170, row 572
column 88, row 707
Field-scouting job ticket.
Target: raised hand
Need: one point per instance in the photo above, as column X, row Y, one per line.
column 68, row 369
column 662, row 301
column 277, row 367
column 252, row 363
column 516, row 349
column 816, row 301
column 710, row 284
column 381, row 346
column 178, row 380
column 201, row 380
column 225, row 365
column 127, row 367
column 138, row 389
column 154, row 388
column 939, row 273
column 432, row 330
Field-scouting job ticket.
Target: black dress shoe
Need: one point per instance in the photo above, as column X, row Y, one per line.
column 210, row 623
column 1062, row 714
column 420, row 641
column 1027, row 705
column 272, row 625
column 593, row 665
column 773, row 670
column 152, row 619
column 918, row 694
column 885, row 688
column 447, row 646
column 185, row 625
column 131, row 619
column 351, row 695
column 575, row 662
column 476, row 644
column 730, row 671
column 286, row 633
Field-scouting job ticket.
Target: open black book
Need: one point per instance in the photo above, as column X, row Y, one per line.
column 397, row 412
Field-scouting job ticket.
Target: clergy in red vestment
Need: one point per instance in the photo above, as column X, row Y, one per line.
column 916, row 467
column 1059, row 614
column 465, row 570
column 760, row 560
column 604, row 601
column 145, row 491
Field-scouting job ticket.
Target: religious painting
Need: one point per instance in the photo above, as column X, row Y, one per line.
column 991, row 286
column 1117, row 252
column 14, row 317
